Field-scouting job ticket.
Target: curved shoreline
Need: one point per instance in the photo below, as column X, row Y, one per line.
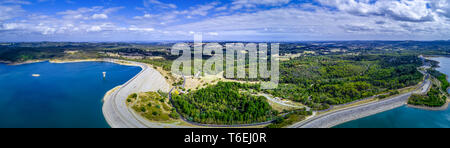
column 21, row 63
column 115, row 110
column 442, row 108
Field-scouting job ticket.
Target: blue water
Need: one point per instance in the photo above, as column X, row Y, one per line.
column 405, row 117
column 64, row 96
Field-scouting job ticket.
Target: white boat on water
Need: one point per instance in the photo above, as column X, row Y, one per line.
column 36, row 75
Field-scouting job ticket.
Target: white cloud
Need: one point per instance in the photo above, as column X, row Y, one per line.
column 149, row 3
column 213, row 33
column 79, row 13
column 401, row 10
column 12, row 26
column 238, row 4
column 145, row 16
column 96, row 12
column 46, row 30
column 221, row 8
column 202, row 10
column 99, row 16
column 19, row 2
column 442, row 7
column 320, row 24
column 112, row 10
column 134, row 28
column 94, row 29
column 9, row 12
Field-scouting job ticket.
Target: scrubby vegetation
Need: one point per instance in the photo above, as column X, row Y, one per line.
column 432, row 99
column 437, row 96
column 290, row 119
column 442, row 79
column 224, row 103
column 152, row 106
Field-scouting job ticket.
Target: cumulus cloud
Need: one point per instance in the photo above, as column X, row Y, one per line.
column 100, row 16
column 12, row 26
column 402, row 10
column 96, row 12
column 94, row 29
column 8, row 12
column 442, row 7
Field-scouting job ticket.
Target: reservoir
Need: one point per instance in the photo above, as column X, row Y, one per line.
column 69, row 95
column 405, row 117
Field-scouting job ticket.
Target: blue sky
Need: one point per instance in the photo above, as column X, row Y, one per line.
column 237, row 20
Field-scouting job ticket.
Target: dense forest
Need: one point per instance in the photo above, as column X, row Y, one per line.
column 224, row 103
column 321, row 81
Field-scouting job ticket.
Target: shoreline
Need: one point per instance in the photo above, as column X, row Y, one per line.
column 64, row 61
column 22, row 63
column 441, row 108
column 428, row 108
column 114, row 109
column 118, row 115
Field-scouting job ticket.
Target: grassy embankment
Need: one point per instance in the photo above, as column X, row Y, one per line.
column 437, row 96
column 153, row 106
column 290, row 118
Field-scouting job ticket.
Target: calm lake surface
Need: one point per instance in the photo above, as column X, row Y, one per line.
column 405, row 117
column 63, row 96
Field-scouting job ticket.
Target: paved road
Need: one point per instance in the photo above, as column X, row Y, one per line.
column 115, row 110
column 341, row 116
column 345, row 115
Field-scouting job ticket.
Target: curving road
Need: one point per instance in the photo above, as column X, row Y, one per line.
column 115, row 110
column 328, row 120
